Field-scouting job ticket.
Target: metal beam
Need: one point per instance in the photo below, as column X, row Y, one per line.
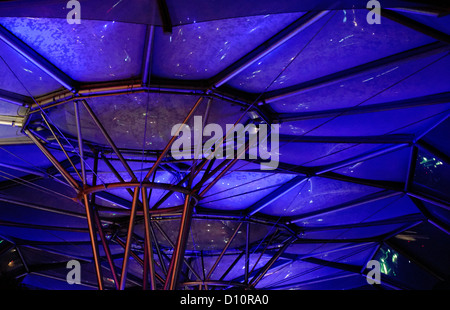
column 262, row 272
column 173, row 246
column 411, row 168
column 80, row 142
column 179, row 250
column 415, row 25
column 42, row 227
column 380, row 139
column 60, row 145
column 99, row 225
column 165, row 16
column 350, row 204
column 19, row 46
column 15, row 98
column 395, row 220
column 425, row 132
column 147, row 63
column 123, row 185
column 390, row 185
column 310, row 172
column 247, row 253
column 108, row 138
column 123, row 277
column 433, row 220
column 359, row 158
column 275, row 41
column 148, row 241
column 379, row 107
column 415, row 260
column 70, row 180
column 174, row 137
column 208, row 276
column 41, row 208
column 432, row 200
column 22, row 169
column 94, row 244
column 337, row 265
column 419, row 52
column 433, row 150
column 279, row 192
column 13, row 121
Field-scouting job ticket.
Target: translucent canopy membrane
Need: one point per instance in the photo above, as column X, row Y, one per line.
column 339, row 33
column 21, row 76
column 239, row 190
column 408, row 120
column 143, row 120
column 115, row 49
column 327, row 155
column 438, row 137
column 391, row 82
column 299, row 272
column 212, row 235
column 362, row 161
column 313, row 194
column 383, row 209
column 351, row 234
column 387, row 167
column 201, row 50
column 440, row 23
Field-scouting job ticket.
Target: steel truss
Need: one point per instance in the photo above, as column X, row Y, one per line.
column 170, row 267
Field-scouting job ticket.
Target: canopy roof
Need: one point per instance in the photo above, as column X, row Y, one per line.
column 86, row 112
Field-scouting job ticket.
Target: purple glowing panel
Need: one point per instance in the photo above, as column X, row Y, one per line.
column 382, row 84
column 239, row 190
column 201, row 50
column 379, row 210
column 45, row 192
column 317, row 154
column 31, row 234
column 236, row 273
column 345, row 281
column 315, row 194
column 105, row 177
column 343, row 32
column 432, row 78
column 354, row 255
column 293, row 273
column 89, row 52
column 21, row 76
column 309, row 249
column 389, row 167
column 21, row 214
column 302, row 127
column 439, row 137
column 410, row 120
column 27, row 156
column 354, row 233
column 439, row 22
column 258, row 77
column 49, row 283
